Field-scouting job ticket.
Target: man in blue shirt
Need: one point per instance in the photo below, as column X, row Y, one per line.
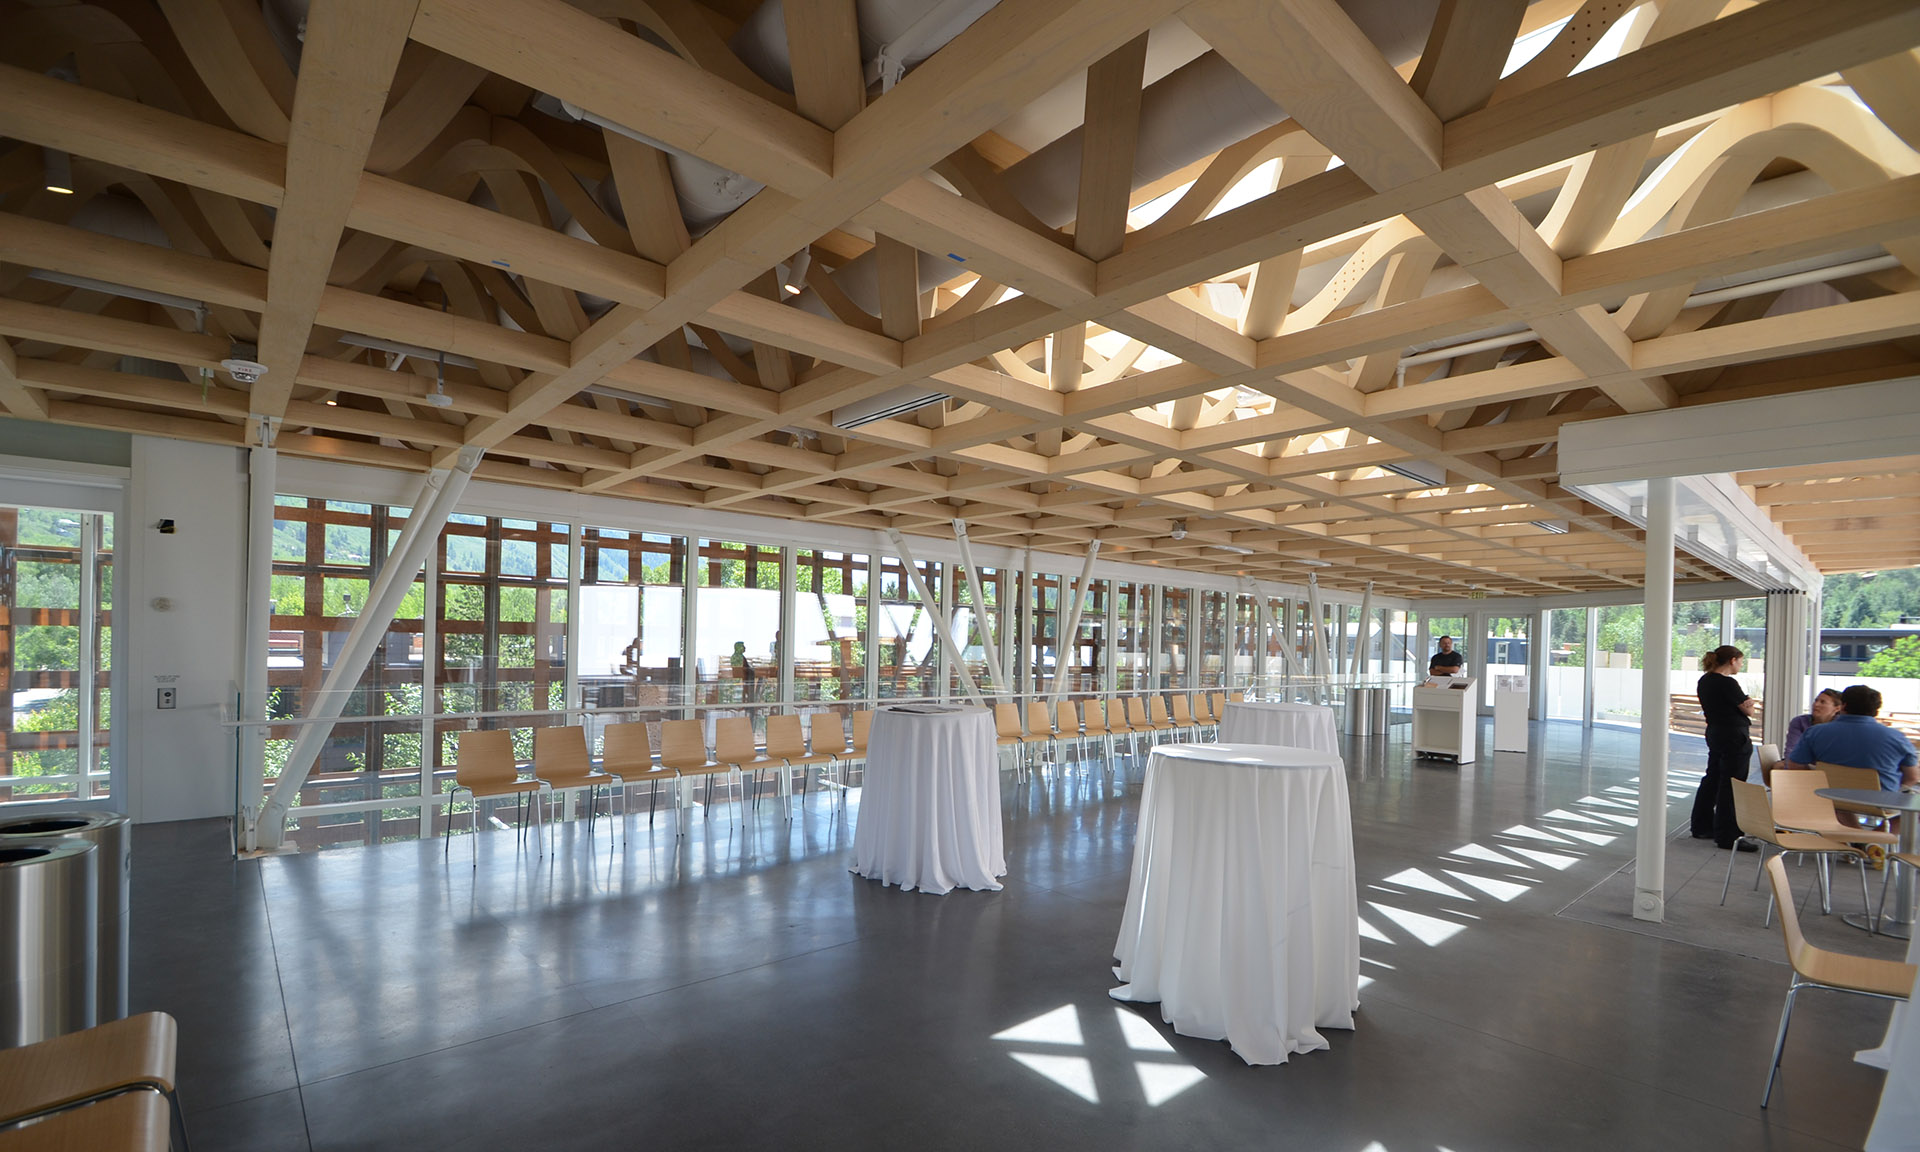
column 1855, row 739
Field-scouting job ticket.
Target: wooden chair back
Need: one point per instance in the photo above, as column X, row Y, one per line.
column 624, row 748
column 786, row 738
column 1093, row 718
column 560, row 753
column 1216, row 706
column 1237, row 697
column 1161, row 717
column 828, row 735
column 1039, row 723
column 1769, row 760
column 862, row 728
column 1137, row 713
column 1843, row 776
column 1182, row 711
column 1753, row 810
column 733, row 740
column 1006, row 720
column 683, row 745
column 485, row 756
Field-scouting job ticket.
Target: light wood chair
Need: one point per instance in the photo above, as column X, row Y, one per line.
column 1162, row 719
column 1860, row 779
column 1041, row 734
column 787, row 742
column 1815, row 967
column 130, row 1122
column 561, row 759
column 1796, row 806
column 1093, row 726
column 1138, row 723
column 1007, row 733
column 486, row 769
column 827, row 736
column 1769, row 760
column 733, row 745
column 132, row 1060
column 1754, row 812
column 1183, row 717
column 626, row 752
column 1216, row 710
column 862, row 728
column 683, row 748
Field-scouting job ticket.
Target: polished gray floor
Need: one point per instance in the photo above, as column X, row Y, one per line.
column 739, row 989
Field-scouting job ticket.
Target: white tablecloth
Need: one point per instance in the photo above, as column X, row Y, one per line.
column 1286, row 725
column 1897, row 1124
column 1242, row 920
column 930, row 811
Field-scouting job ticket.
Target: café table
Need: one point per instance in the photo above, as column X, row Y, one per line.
column 929, row 815
column 1897, row 922
column 1280, row 723
column 1242, row 919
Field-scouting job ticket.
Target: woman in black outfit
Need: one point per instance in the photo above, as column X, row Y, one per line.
column 1729, row 712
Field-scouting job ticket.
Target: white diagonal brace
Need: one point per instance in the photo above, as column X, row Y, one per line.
column 438, row 496
column 939, row 618
column 1070, row 623
column 977, row 593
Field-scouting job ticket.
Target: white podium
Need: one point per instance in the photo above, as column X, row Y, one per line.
column 1445, row 720
column 1510, row 714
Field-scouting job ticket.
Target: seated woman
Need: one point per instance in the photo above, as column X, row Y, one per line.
column 1825, row 706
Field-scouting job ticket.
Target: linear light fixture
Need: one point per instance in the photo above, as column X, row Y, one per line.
column 59, row 166
column 397, row 348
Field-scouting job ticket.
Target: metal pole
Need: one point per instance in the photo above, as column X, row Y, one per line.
column 439, row 494
column 1650, row 860
column 1363, row 635
column 1027, row 645
column 88, row 657
column 429, row 681
column 1318, row 639
column 1070, row 622
column 933, row 609
column 978, row 597
column 788, row 594
column 262, row 467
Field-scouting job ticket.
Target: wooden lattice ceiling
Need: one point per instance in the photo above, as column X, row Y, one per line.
column 1103, row 380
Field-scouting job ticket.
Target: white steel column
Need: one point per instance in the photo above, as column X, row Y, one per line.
column 429, row 677
column 87, row 659
column 1319, row 638
column 996, row 682
column 1070, row 622
column 576, row 560
column 1539, row 660
column 788, row 594
column 1650, row 860
column 871, row 633
column 438, row 496
column 1027, row 646
column 933, row 609
column 1587, row 692
column 262, row 467
column 1363, row 635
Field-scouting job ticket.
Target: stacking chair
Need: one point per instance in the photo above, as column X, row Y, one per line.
column 561, row 760
column 1796, row 806
column 733, row 746
column 683, row 748
column 1860, row 779
column 862, row 728
column 1162, row 719
column 1138, row 724
column 787, row 741
column 1040, row 731
column 1818, row 968
column 1769, row 760
column 486, row 769
column 827, row 736
column 133, row 1059
column 625, row 752
column 1183, row 718
column 1754, row 811
column 1007, row 733
column 1237, row 697
column 1093, row 726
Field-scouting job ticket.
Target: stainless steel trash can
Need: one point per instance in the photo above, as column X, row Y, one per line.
column 47, row 925
column 112, row 833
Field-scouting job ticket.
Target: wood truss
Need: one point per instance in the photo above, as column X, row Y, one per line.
column 1241, row 372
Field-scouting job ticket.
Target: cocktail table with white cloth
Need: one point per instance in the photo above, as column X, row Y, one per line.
column 1280, row 723
column 1242, row 919
column 930, row 810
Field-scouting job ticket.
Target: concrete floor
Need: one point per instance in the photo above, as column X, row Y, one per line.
column 740, row 989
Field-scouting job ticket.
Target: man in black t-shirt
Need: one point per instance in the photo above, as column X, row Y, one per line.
column 1446, row 662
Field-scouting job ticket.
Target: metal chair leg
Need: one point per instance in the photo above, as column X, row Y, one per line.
column 1780, row 1041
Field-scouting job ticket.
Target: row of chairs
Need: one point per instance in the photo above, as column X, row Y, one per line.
column 1105, row 720
column 488, row 770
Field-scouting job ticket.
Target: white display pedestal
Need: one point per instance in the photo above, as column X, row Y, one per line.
column 1509, row 720
column 1445, row 721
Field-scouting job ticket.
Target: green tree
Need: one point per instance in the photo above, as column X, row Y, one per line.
column 1902, row 659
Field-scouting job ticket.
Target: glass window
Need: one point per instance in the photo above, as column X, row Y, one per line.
column 1213, row 640
column 909, row 646
column 1618, row 661
column 1132, row 631
column 738, row 631
column 993, row 587
column 1172, row 664
column 1567, row 664
column 56, row 611
column 1503, row 651
column 631, row 613
column 830, row 625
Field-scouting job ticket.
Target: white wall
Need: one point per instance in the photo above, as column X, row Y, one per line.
column 179, row 763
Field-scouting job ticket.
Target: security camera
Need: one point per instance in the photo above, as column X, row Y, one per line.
column 1179, row 529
